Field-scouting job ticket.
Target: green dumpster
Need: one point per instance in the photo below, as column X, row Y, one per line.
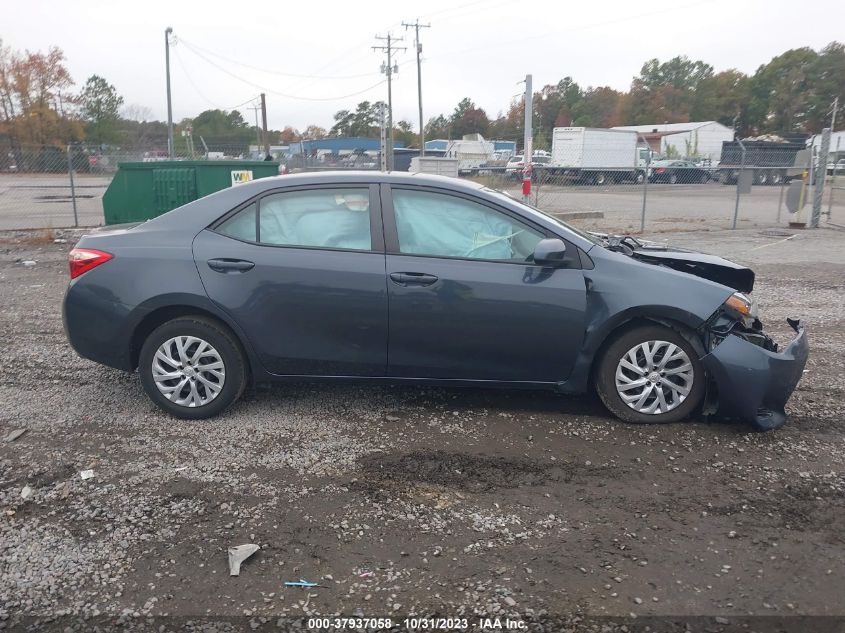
column 140, row 191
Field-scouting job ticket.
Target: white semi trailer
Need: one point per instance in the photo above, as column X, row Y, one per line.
column 597, row 156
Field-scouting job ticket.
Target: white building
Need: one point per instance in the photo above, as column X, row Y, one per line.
column 697, row 139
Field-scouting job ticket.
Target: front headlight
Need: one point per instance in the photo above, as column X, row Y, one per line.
column 743, row 307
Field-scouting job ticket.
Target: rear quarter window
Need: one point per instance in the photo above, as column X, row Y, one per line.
column 241, row 226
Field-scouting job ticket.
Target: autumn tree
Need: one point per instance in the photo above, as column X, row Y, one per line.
column 289, row 135
column 599, row 107
column 468, row 119
column 314, row 132
column 36, row 107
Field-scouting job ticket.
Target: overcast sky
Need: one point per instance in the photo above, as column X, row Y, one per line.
column 475, row 49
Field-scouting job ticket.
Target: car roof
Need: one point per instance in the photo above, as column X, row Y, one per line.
column 358, row 176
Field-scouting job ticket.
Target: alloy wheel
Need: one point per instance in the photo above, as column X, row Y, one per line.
column 654, row 377
column 188, row 371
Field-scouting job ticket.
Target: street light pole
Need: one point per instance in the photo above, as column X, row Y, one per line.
column 170, row 148
column 527, row 151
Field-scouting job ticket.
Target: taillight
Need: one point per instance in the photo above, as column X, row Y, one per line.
column 81, row 260
column 660, row 170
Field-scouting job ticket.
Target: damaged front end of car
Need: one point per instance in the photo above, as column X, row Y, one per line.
column 750, row 377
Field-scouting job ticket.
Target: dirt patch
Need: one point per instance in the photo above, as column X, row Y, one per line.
column 477, row 473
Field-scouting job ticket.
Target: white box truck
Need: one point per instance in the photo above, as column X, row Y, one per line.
column 597, row 156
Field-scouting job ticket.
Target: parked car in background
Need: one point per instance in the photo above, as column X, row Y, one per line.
column 418, row 279
column 677, row 171
column 838, row 167
column 516, row 165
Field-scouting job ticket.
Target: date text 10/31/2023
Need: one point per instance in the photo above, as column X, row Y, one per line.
column 418, row 623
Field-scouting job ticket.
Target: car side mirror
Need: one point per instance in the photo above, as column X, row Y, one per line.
column 550, row 252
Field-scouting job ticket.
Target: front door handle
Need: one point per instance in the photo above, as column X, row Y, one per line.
column 413, row 279
column 230, row 265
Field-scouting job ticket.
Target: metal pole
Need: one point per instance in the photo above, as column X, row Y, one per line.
column 645, row 182
column 821, row 174
column 255, row 110
column 738, row 183
column 170, row 148
column 833, row 117
column 527, row 152
column 72, row 187
column 264, row 126
column 833, row 179
column 780, row 199
column 388, row 70
column 389, row 107
column 417, row 26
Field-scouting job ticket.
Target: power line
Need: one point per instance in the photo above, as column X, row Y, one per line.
column 282, row 94
column 196, row 48
column 191, row 81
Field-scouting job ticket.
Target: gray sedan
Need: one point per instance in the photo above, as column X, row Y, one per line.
column 401, row 278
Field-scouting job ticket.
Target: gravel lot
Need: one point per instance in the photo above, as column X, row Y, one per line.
column 419, row 501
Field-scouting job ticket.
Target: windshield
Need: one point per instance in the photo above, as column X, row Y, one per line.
column 506, row 196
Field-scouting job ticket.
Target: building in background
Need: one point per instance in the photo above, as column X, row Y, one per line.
column 337, row 145
column 694, row 140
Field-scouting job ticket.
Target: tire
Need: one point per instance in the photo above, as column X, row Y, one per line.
column 600, row 178
column 639, row 178
column 662, row 341
column 761, row 178
column 673, row 179
column 192, row 392
column 775, row 178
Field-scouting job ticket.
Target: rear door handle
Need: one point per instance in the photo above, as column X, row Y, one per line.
column 230, row 265
column 413, row 279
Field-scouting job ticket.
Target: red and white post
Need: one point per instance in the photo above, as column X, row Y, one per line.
column 528, row 150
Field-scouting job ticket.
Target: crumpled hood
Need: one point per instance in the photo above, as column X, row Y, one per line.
column 710, row 267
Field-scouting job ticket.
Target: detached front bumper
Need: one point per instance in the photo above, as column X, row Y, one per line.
column 753, row 383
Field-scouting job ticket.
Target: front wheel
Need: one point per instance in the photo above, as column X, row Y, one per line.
column 650, row 374
column 192, row 367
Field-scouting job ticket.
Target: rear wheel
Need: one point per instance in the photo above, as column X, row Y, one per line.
column 192, row 367
column 650, row 374
column 775, row 178
column 761, row 177
column 673, row 179
column 600, row 178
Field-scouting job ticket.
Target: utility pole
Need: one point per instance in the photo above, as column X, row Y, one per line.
column 417, row 26
column 264, row 126
column 528, row 149
column 833, row 116
column 389, row 69
column 170, row 148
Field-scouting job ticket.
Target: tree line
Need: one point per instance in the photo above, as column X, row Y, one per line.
column 791, row 94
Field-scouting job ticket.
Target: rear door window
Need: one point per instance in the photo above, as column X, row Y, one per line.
column 327, row 218
column 318, row 218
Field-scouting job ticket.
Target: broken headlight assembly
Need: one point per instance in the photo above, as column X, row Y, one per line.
column 739, row 316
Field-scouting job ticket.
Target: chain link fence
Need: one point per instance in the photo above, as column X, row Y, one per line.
column 56, row 187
